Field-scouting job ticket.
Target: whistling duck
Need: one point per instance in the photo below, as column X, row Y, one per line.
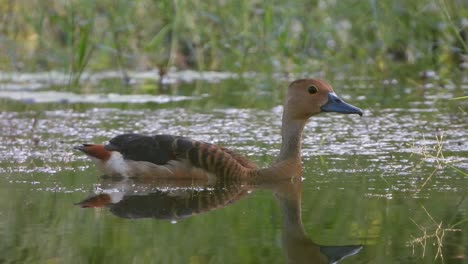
column 166, row 156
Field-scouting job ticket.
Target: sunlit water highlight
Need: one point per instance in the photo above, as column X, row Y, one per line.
column 379, row 139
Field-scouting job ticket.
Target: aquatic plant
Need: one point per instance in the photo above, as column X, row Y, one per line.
column 237, row 36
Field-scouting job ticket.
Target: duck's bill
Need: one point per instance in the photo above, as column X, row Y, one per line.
column 337, row 105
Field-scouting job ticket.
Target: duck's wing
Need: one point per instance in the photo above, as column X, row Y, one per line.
column 161, row 149
column 138, row 147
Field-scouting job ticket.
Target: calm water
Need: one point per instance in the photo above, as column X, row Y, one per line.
column 394, row 181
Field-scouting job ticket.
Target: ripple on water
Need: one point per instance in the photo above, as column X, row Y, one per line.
column 68, row 97
column 373, row 135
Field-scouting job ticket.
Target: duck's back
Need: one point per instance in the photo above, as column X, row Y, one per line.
column 161, row 149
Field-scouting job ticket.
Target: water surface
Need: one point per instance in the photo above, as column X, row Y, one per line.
column 394, row 180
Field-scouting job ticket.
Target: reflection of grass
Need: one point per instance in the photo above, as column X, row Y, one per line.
column 434, row 233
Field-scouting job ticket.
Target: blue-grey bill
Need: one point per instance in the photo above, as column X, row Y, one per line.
column 337, row 105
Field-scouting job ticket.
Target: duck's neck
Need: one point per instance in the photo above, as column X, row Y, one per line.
column 288, row 165
column 291, row 132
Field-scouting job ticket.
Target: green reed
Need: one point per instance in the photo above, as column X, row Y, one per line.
column 224, row 35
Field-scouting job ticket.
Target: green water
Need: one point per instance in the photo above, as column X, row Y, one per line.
column 394, row 181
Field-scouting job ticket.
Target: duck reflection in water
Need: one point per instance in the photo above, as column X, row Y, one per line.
column 162, row 199
column 175, row 199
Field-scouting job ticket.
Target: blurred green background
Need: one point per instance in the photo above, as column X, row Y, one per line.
column 238, row 36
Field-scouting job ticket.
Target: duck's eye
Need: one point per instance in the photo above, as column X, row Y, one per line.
column 312, row 89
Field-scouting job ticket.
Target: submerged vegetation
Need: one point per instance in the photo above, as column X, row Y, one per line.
column 238, row 36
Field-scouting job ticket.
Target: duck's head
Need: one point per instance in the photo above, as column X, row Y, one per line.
column 308, row 97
